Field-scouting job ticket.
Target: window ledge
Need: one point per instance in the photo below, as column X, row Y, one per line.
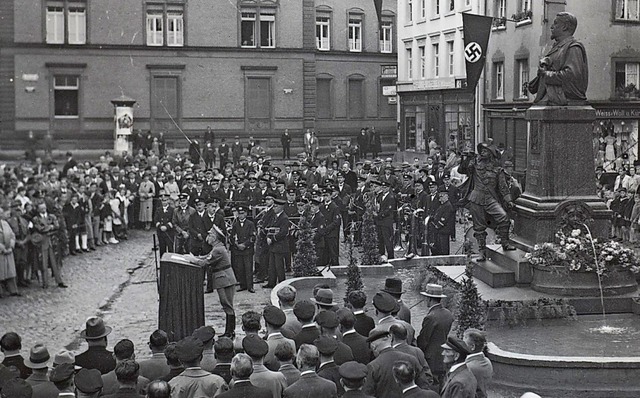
column 497, row 100
column 410, row 23
column 521, row 99
column 498, row 28
column 421, row 21
column 450, row 13
column 524, row 22
column 434, row 18
column 66, row 117
column 626, row 21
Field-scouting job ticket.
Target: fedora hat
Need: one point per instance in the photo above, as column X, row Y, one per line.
column 38, row 357
column 393, row 286
column 434, row 290
column 95, row 329
column 324, row 297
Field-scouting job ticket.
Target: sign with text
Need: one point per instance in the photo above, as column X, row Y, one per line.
column 428, row 84
column 390, row 71
column 389, row 91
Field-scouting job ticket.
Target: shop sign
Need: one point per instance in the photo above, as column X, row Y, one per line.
column 388, row 91
column 428, row 84
column 389, row 71
column 618, row 113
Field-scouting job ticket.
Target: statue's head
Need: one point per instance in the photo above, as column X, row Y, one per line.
column 564, row 22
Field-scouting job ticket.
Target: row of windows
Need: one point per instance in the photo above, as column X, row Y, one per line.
column 420, row 10
column 625, row 10
column 432, row 69
column 166, row 26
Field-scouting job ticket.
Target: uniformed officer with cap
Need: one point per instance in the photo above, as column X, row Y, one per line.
column 163, row 221
column 278, row 242
column 242, row 238
column 180, row 221
column 262, row 377
column 207, row 335
column 460, row 381
column 352, row 376
column 304, row 311
column 198, row 229
column 443, row 223
column 62, row 377
column 88, row 383
column 274, row 319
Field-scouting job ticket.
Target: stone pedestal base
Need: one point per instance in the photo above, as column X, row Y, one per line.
column 561, row 184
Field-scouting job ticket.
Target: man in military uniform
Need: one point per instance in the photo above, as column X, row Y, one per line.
column 444, row 223
column 291, row 210
column 181, row 216
column 331, row 214
column 318, row 223
column 277, row 240
column 487, row 196
column 163, row 220
column 242, row 238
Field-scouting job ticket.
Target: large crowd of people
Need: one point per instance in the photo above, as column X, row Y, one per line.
column 301, row 348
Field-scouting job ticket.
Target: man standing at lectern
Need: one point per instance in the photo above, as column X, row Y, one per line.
column 487, row 196
column 563, row 74
column 224, row 281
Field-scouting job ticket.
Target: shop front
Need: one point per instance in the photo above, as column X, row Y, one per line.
column 444, row 114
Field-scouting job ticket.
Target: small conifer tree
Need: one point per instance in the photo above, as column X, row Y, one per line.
column 471, row 309
column 354, row 276
column 370, row 250
column 305, row 259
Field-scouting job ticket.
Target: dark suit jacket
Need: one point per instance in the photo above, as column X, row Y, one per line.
column 164, row 218
column 16, row 365
column 332, row 219
column 435, row 329
column 155, row 367
column 311, row 385
column 330, row 372
column 307, row 335
column 419, row 355
column 223, row 370
column 460, row 383
column 359, row 347
column 124, row 392
column 364, row 324
column 387, row 210
column 418, row 392
column 355, row 394
column 343, row 354
column 280, row 242
column 380, row 382
column 97, row 358
column 318, row 222
column 244, row 389
column 245, row 234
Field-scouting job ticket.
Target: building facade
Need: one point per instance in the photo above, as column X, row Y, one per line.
column 609, row 30
column 242, row 67
column 434, row 100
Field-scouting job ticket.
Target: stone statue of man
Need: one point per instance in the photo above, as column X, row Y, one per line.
column 563, row 74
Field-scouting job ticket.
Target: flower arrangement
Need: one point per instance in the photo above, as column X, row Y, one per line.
column 522, row 15
column 575, row 251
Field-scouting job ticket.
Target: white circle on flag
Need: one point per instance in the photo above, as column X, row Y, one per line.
column 473, row 52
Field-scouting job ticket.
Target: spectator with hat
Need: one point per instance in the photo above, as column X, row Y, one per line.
column 88, row 383
column 460, row 381
column 38, row 363
column 323, row 298
column 380, row 381
column 156, row 367
column 356, row 300
column 386, row 305
column 436, row 326
column 304, row 311
column 356, row 342
column 62, row 377
column 207, row 335
column 122, row 351
column 384, row 215
column 285, row 354
column 443, row 223
column 16, row 388
column 223, row 349
column 242, row 238
column 404, row 374
column 393, row 286
column 328, row 369
column 278, row 243
column 221, row 277
column 198, row 229
column 64, row 356
column 181, row 215
column 328, row 323
column 97, row 356
column 476, row 361
column 242, row 369
column 332, row 218
column 274, row 319
column 310, row 385
column 194, row 381
column 163, row 220
column 262, row 377
column 352, row 376
column 10, row 345
column 286, row 301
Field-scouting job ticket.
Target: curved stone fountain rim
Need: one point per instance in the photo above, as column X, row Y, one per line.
column 516, row 358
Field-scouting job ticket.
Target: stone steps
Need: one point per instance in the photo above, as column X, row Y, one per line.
column 493, row 275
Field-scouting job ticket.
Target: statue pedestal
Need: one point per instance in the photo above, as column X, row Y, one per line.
column 560, row 182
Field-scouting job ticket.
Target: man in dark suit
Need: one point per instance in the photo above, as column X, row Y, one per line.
column 156, row 367
column 444, row 223
column 404, row 375
column 318, row 223
column 435, row 329
column 285, row 140
column 328, row 369
column 345, row 191
column 328, row 322
column 163, row 220
column 364, row 323
column 384, row 216
column 198, row 230
column 242, row 238
column 223, row 151
column 460, row 382
column 198, row 193
column 305, row 310
column 10, row 345
column 477, row 363
column 277, row 239
column 357, row 343
column 241, row 370
column 393, row 286
column 332, row 219
column 380, row 381
column 352, row 375
column 97, row 356
column 46, row 226
column 310, row 384
column 399, row 343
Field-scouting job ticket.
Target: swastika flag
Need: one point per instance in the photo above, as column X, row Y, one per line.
column 477, row 29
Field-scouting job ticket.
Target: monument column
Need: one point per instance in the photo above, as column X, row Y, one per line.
column 560, row 184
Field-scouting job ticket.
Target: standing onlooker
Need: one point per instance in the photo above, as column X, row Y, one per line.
column 10, row 345
column 47, row 145
column 45, row 226
column 156, row 367
column 285, row 140
column 194, row 151
column 236, row 151
column 376, row 143
column 20, row 227
column 314, row 145
column 162, row 145
column 460, row 382
column 363, row 144
column 223, row 152
column 147, row 191
column 477, row 363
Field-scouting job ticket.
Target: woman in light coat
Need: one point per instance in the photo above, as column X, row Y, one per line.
column 147, row 191
column 7, row 262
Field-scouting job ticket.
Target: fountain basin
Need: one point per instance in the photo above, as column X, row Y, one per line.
column 558, row 281
column 565, row 376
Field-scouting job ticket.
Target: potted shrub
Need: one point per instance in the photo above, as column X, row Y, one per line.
column 577, row 265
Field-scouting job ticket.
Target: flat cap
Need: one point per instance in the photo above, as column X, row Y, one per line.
column 88, row 381
column 62, row 372
column 274, row 315
column 327, row 319
column 353, row 370
column 455, row 344
column 189, row 349
column 254, row 346
column 304, row 309
column 279, row 202
column 287, row 293
column 377, row 333
column 384, row 302
column 326, row 345
column 204, row 333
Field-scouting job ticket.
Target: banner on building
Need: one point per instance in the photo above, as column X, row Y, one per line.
column 378, row 5
column 477, row 29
